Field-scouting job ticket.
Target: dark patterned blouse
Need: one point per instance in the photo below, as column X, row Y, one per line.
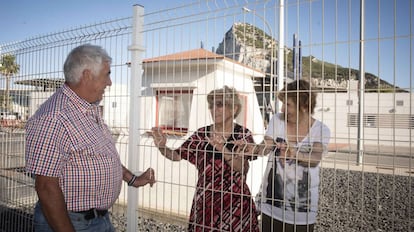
column 222, row 200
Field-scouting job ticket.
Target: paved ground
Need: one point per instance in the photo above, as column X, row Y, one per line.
column 398, row 160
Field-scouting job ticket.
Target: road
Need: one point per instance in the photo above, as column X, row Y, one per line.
column 397, row 160
column 11, row 150
column 344, row 156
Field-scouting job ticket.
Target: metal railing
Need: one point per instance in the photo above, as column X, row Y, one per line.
column 151, row 54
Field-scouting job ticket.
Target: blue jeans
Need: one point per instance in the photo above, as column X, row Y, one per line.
column 78, row 221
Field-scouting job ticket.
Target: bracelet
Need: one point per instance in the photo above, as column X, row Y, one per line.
column 256, row 150
column 132, row 180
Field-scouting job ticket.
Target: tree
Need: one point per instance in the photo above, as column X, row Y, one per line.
column 8, row 68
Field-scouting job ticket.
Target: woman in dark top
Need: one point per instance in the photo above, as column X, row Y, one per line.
column 222, row 200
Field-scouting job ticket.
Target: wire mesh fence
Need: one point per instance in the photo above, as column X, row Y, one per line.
column 166, row 62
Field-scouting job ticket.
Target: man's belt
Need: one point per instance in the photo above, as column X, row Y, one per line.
column 93, row 213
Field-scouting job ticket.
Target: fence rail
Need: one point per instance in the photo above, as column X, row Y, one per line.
column 168, row 60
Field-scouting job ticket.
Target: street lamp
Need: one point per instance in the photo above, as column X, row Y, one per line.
column 272, row 95
column 281, row 51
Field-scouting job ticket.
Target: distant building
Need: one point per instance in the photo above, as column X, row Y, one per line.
column 388, row 118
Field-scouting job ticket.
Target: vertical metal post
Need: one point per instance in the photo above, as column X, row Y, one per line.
column 300, row 60
column 294, row 56
column 136, row 49
column 271, row 94
column 361, row 92
column 272, row 81
column 281, row 53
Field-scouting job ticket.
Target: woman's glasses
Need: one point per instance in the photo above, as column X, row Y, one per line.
column 217, row 104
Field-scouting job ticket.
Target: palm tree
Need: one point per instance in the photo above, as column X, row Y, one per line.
column 8, row 68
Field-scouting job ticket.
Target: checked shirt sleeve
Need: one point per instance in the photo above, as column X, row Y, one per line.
column 44, row 152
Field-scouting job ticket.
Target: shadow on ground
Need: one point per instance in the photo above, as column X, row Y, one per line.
column 15, row 220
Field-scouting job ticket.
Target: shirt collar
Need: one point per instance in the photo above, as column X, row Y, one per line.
column 81, row 103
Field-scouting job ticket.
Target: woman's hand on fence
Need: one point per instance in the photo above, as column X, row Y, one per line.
column 160, row 139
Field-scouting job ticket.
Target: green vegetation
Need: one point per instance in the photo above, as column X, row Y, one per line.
column 255, row 37
column 252, row 36
column 8, row 68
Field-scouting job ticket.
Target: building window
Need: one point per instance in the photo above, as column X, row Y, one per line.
column 370, row 121
column 400, row 103
column 173, row 110
column 353, row 120
column 349, row 102
column 411, row 122
column 397, row 121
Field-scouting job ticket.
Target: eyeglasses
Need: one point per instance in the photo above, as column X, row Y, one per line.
column 217, row 104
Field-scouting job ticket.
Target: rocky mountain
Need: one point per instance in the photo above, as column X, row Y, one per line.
column 250, row 45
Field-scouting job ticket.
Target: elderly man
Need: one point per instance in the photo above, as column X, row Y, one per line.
column 71, row 151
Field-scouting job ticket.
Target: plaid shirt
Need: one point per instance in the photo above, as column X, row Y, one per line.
column 67, row 139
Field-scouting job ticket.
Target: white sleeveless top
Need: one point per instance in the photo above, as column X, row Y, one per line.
column 293, row 196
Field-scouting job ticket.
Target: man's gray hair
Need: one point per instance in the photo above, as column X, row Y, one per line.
column 83, row 57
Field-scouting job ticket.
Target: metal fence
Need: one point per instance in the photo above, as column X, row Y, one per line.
column 40, row 61
column 165, row 63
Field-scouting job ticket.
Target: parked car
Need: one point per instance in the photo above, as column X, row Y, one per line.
column 9, row 120
column 5, row 115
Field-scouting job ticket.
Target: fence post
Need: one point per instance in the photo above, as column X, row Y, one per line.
column 361, row 101
column 136, row 49
column 280, row 54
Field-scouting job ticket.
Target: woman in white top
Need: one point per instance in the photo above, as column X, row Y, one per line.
column 289, row 196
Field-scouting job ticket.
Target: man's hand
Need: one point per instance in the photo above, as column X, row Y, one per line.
column 147, row 177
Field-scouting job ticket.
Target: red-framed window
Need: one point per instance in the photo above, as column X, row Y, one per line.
column 173, row 110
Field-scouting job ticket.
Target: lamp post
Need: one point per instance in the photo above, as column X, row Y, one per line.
column 272, row 95
column 281, row 50
column 361, row 92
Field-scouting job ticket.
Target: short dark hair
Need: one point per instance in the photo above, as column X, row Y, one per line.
column 301, row 93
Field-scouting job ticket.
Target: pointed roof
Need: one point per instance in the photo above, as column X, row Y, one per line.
column 195, row 54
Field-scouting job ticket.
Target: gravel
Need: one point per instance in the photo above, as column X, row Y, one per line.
column 147, row 225
column 349, row 201
column 362, row 201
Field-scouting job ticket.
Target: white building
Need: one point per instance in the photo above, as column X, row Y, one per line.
column 388, row 118
column 174, row 97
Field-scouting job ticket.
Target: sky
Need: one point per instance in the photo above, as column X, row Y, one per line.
column 22, row 19
column 335, row 24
